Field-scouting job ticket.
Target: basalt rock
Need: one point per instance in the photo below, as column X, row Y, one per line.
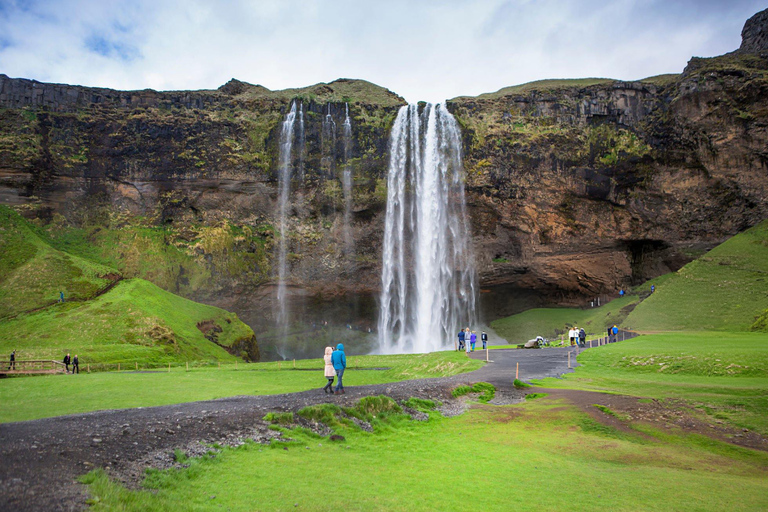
column 575, row 188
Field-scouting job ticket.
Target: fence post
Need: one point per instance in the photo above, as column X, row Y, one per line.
column 137, row 365
column 569, row 359
column 88, row 367
column 169, row 367
column 187, row 365
column 235, row 364
column 590, row 343
column 118, row 366
column 294, row 364
column 517, row 371
column 486, row 353
column 278, row 365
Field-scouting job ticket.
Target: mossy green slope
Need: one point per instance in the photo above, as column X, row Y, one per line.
column 32, row 273
column 134, row 321
column 724, row 290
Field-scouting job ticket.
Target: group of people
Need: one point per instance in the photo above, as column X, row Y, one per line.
column 74, row 361
column 335, row 364
column 468, row 338
column 577, row 337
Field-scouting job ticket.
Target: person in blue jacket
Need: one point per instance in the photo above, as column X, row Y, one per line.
column 461, row 339
column 339, row 360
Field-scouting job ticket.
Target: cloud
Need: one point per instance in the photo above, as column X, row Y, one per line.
column 420, row 49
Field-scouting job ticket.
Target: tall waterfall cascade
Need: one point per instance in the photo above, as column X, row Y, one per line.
column 346, row 183
column 428, row 278
column 285, row 168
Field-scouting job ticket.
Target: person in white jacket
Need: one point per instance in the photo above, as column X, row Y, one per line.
column 330, row 373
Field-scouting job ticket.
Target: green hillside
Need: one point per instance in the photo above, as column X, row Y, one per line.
column 105, row 318
column 134, row 321
column 32, row 273
column 549, row 322
column 724, row 290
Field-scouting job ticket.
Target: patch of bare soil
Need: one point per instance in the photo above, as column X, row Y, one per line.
column 666, row 414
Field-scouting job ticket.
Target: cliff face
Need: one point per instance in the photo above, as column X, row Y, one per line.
column 575, row 187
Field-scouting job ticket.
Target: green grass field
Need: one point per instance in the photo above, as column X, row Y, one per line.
column 725, row 375
column 46, row 396
column 542, row 455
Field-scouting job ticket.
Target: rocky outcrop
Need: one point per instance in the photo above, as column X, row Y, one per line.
column 575, row 188
column 754, row 36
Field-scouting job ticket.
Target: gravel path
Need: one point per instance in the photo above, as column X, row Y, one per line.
column 41, row 459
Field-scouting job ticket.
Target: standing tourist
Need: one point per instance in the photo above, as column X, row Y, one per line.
column 614, row 331
column 466, row 344
column 75, row 365
column 330, row 372
column 12, row 366
column 582, row 338
column 473, row 340
column 67, row 360
column 461, row 339
column 61, row 296
column 484, row 338
column 339, row 360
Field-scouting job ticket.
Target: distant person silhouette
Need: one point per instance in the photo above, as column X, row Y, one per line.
column 12, row 366
column 330, row 373
column 75, row 365
column 484, row 338
column 67, row 360
column 61, row 296
column 339, row 360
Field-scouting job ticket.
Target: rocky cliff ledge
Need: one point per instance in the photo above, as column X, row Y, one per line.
column 576, row 187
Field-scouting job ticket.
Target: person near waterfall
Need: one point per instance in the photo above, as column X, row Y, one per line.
column 473, row 340
column 330, row 372
column 466, row 344
column 339, row 360
column 461, row 339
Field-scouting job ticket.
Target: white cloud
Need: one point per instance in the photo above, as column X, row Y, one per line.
column 420, row 49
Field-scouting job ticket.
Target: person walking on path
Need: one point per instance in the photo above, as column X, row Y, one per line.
column 339, row 361
column 67, row 360
column 582, row 338
column 75, row 365
column 621, row 293
column 61, row 296
column 614, row 331
column 653, row 288
column 330, row 372
column 570, row 336
column 484, row 338
column 466, row 345
column 12, row 366
column 473, row 340
column 461, row 339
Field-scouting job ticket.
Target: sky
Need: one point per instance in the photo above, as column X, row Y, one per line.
column 421, row 49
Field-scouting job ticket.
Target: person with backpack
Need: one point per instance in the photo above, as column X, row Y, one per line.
column 484, row 338
column 339, row 360
column 473, row 339
column 582, row 338
column 615, row 332
column 461, row 339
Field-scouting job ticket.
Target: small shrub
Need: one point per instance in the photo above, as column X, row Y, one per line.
column 534, row 396
column 486, row 390
column 377, row 404
column 520, row 384
column 420, row 404
column 179, row 456
column 282, row 418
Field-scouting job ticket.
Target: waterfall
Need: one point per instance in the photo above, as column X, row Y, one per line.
column 428, row 282
column 301, row 142
column 284, row 188
column 329, row 141
column 346, row 182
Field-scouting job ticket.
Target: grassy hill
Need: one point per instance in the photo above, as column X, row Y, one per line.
column 724, row 290
column 32, row 273
column 105, row 318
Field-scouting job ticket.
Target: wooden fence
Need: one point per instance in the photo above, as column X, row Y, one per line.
column 31, row 367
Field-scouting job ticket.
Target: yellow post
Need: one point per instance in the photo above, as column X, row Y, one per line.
column 219, row 364
column 118, row 366
column 187, row 365
column 294, row 364
column 590, row 343
column 235, row 364
column 88, row 366
column 137, row 365
column 169, row 367
column 569, row 359
column 517, row 370
column 278, row 365
column 486, row 353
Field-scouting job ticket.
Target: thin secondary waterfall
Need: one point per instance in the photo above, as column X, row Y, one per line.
column 329, row 141
column 302, row 141
column 428, row 282
column 284, row 187
column 346, row 183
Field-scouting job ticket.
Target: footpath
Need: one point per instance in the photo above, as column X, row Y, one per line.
column 40, row 460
